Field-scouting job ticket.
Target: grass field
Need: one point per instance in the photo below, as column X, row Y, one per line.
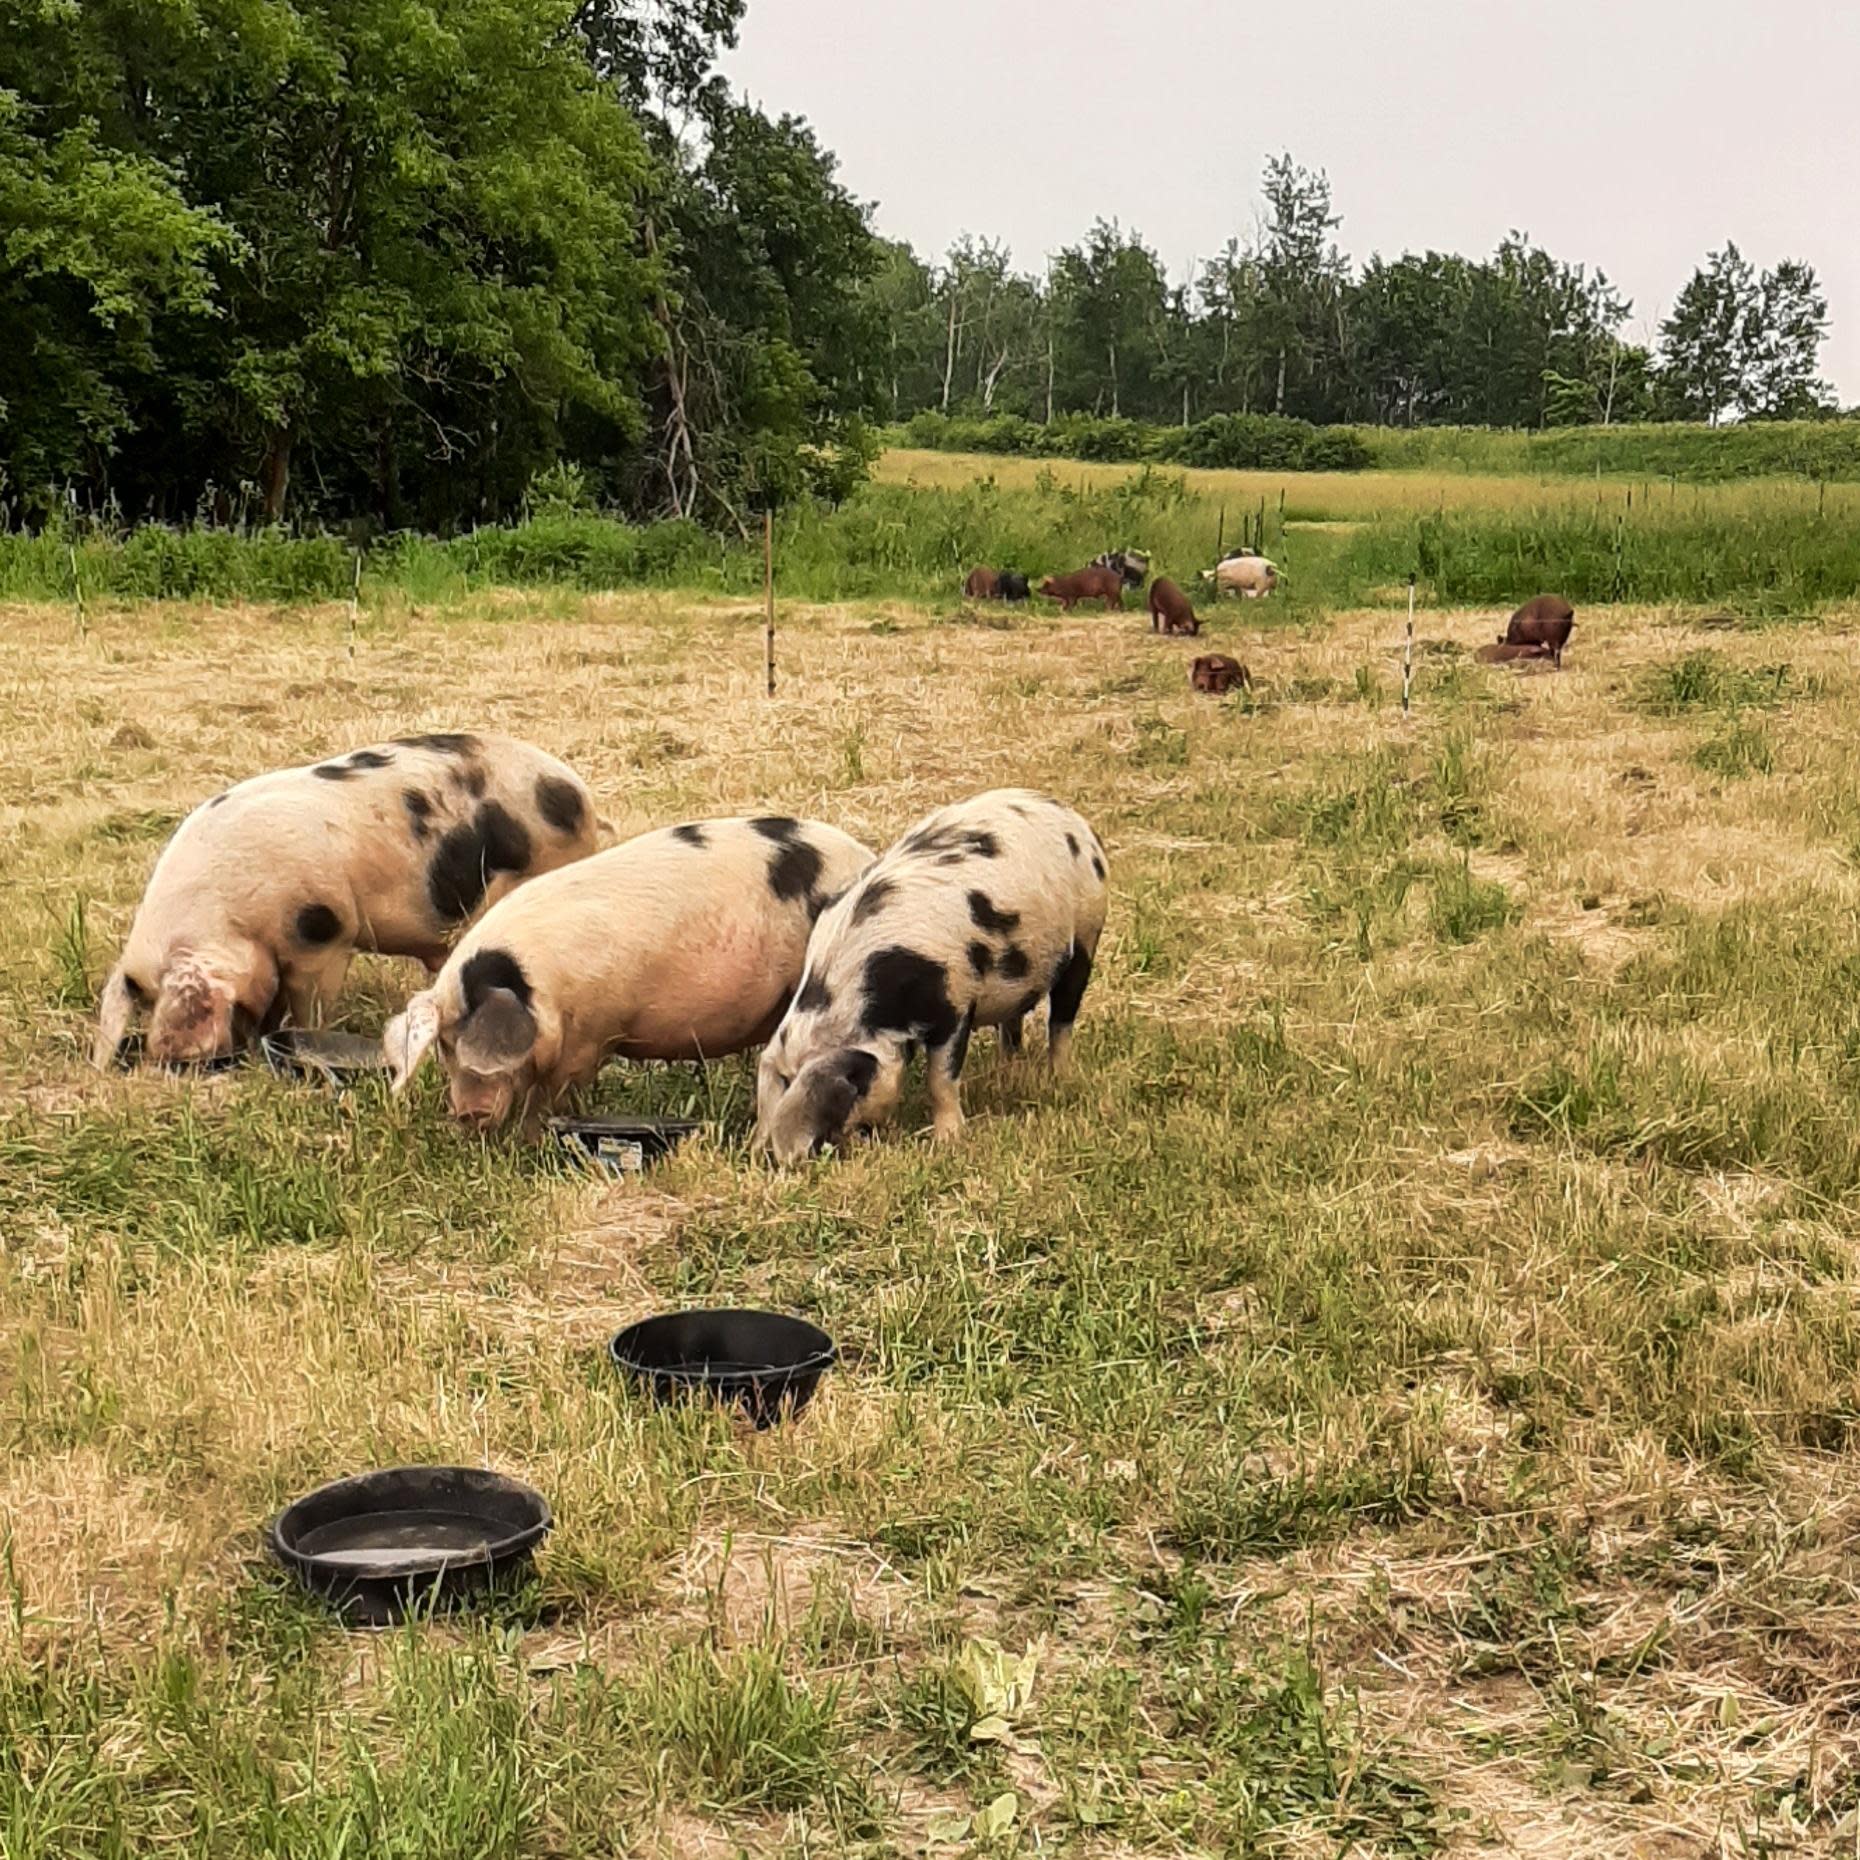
column 1767, row 550
column 1372, row 496
column 1402, row 1385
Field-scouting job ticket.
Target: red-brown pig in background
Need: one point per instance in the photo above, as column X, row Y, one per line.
column 1170, row 611
column 1088, row 584
column 1544, row 620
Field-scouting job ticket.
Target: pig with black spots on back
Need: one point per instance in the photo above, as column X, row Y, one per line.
column 685, row 943
column 264, row 893
column 973, row 918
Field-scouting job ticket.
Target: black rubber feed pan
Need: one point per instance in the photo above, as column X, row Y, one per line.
column 336, row 1059
column 132, row 1053
column 410, row 1537
column 769, row 1364
column 620, row 1145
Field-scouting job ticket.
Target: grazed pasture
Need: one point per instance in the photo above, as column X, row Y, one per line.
column 1403, row 1383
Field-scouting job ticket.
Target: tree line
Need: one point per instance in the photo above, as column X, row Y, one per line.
column 396, row 259
column 1282, row 323
column 412, row 263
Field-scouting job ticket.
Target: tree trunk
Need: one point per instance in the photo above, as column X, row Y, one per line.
column 1112, row 350
column 949, row 351
column 1049, row 377
column 1185, row 405
column 274, row 475
column 1278, row 398
column 992, row 380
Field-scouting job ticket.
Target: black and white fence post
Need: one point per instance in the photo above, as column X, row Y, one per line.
column 1407, row 656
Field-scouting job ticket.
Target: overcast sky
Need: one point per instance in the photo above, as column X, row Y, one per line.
column 1633, row 135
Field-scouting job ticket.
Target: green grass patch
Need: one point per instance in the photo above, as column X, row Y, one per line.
column 1708, row 681
column 1742, row 749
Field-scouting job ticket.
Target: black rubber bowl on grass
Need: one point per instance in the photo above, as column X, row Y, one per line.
column 410, row 1537
column 132, row 1055
column 334, row 1059
column 770, row 1365
column 618, row 1146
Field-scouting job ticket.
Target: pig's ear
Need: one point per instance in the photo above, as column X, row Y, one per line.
column 500, row 1034
column 408, row 1038
column 115, row 1009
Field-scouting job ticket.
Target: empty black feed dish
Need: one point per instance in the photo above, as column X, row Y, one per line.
column 132, row 1052
column 409, row 1537
column 329, row 1058
column 619, row 1145
column 768, row 1363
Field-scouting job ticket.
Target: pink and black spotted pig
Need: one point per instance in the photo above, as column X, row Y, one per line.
column 264, row 894
column 685, row 943
column 973, row 918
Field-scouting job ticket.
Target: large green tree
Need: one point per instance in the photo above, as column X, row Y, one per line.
column 1110, row 299
column 393, row 257
column 432, row 256
column 1302, row 282
column 99, row 247
column 774, row 352
column 1739, row 343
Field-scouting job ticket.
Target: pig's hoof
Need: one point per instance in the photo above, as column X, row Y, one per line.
column 946, row 1128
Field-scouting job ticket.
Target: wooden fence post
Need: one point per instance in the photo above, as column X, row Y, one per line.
column 768, row 591
column 77, row 591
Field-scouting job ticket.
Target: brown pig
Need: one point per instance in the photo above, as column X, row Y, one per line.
column 1543, row 620
column 685, row 943
column 983, row 584
column 1216, row 672
column 1170, row 611
column 1088, row 584
column 265, row 892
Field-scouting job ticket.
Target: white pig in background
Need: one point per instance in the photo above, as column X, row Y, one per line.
column 685, row 943
column 976, row 915
column 265, row 892
column 1246, row 574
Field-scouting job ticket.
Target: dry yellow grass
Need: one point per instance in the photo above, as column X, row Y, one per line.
column 1441, row 1267
column 1341, row 498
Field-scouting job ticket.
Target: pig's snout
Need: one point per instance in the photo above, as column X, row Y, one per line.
column 481, row 1111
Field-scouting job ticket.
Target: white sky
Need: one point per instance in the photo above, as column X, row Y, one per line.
column 1633, row 135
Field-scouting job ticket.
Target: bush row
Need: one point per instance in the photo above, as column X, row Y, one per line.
column 1813, row 449
column 1230, row 441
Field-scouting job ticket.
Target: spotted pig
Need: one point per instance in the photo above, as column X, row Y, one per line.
column 685, row 943
column 1129, row 565
column 265, row 892
column 976, row 915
